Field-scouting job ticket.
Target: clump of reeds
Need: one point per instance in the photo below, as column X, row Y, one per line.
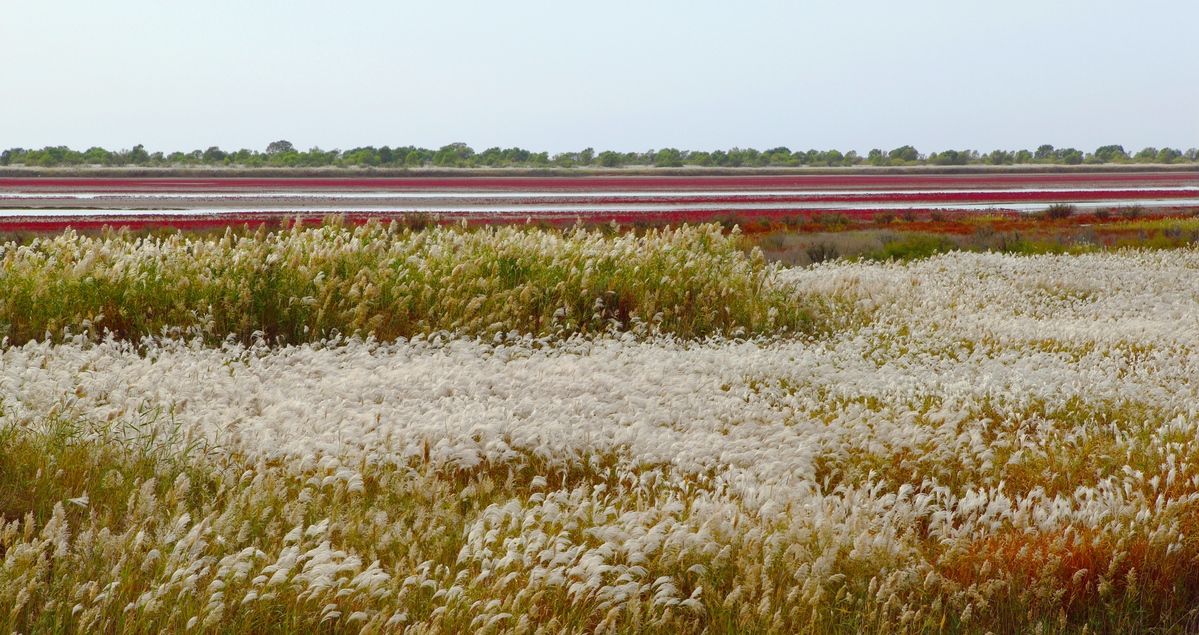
column 304, row 285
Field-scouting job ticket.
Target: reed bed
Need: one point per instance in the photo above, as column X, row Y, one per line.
column 1003, row 444
column 307, row 284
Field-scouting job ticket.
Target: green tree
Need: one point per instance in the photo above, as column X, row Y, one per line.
column 456, row 154
column 138, row 155
column 214, row 155
column 97, row 156
column 904, row 153
column 1069, row 156
column 832, row 158
column 355, row 156
column 1168, row 155
column 1146, row 155
column 668, row 158
column 1111, row 154
column 279, row 147
column 949, row 157
column 610, row 159
column 999, row 157
column 781, row 155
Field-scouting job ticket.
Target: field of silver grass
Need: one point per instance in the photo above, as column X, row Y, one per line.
column 968, row 443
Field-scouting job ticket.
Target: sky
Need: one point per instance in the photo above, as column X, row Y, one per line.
column 624, row 75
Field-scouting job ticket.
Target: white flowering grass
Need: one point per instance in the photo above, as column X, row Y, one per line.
column 1006, row 445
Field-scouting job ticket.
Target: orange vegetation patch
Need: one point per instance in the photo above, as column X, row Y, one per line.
column 1088, row 564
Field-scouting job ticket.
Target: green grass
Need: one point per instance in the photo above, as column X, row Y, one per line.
column 913, row 246
column 1157, row 224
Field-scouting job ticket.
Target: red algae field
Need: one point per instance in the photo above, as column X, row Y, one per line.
column 53, row 203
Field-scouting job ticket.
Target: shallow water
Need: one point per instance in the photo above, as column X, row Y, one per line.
column 581, row 209
column 533, row 194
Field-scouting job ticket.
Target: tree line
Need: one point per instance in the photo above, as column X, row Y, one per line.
column 460, row 155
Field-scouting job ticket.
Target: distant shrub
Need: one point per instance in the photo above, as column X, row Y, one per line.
column 1131, row 212
column 1103, row 214
column 1088, row 238
column 909, row 216
column 773, row 241
column 884, row 218
column 757, row 225
column 1058, row 211
column 914, row 246
column 417, row 221
column 937, row 216
column 822, row 251
column 984, row 232
column 729, row 221
column 833, row 220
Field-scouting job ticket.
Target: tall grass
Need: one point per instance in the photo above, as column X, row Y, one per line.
column 98, row 537
column 1005, row 446
column 304, row 285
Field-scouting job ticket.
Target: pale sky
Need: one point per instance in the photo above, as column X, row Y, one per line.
column 624, row 75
